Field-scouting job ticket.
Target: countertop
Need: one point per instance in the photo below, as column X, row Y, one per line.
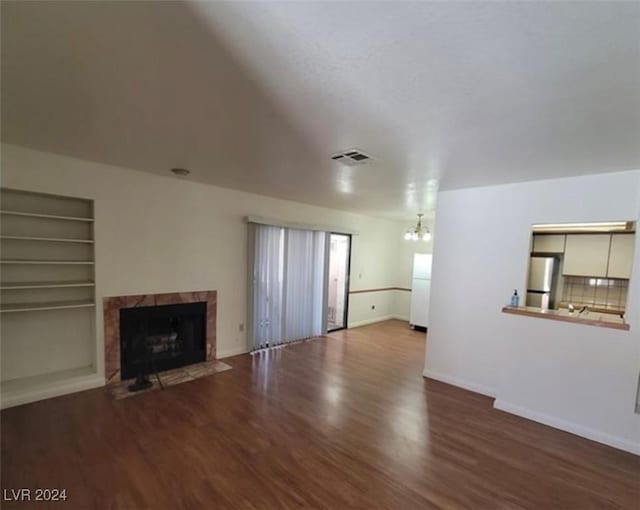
column 606, row 320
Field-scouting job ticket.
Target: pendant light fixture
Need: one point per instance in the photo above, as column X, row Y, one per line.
column 418, row 232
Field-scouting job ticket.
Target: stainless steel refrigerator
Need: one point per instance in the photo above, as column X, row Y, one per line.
column 542, row 281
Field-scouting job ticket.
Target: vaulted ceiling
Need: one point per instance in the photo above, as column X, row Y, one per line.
column 258, row 96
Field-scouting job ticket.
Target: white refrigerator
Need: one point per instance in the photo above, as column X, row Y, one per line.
column 420, row 290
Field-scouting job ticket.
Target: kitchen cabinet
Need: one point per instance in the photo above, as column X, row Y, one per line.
column 548, row 243
column 621, row 256
column 586, row 255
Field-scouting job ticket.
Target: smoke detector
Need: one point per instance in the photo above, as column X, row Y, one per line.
column 351, row 157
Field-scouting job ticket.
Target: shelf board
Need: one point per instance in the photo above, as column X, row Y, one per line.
column 48, row 239
column 37, row 387
column 47, row 262
column 46, row 285
column 45, row 216
column 50, row 305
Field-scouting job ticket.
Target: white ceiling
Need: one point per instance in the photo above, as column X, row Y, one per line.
column 258, row 96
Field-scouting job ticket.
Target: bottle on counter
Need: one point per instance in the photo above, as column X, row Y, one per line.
column 515, row 299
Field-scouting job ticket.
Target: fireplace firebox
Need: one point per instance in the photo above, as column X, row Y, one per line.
column 158, row 338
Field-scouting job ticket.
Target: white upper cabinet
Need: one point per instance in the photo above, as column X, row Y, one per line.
column 586, row 255
column 548, row 243
column 621, row 257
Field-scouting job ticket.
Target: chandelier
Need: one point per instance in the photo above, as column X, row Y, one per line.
column 418, row 232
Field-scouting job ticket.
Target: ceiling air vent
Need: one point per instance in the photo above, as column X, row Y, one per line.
column 351, row 157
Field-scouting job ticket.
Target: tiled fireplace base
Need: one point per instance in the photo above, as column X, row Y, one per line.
column 172, row 377
column 112, row 306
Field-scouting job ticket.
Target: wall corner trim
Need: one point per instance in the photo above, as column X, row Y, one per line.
column 461, row 383
column 567, row 426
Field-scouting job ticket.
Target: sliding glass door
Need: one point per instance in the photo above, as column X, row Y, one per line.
column 298, row 284
column 288, row 285
column 338, row 284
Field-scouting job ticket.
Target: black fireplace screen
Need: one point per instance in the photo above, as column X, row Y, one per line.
column 157, row 338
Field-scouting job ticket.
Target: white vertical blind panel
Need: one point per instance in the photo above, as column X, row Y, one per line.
column 267, row 278
column 289, row 286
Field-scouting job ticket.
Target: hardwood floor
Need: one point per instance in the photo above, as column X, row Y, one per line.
column 342, row 422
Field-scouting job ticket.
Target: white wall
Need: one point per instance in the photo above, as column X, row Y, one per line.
column 162, row 234
column 390, row 303
column 361, row 309
column 575, row 377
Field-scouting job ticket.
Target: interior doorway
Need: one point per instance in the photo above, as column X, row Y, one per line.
column 338, row 285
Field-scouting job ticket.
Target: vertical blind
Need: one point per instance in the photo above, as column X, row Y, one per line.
column 288, row 287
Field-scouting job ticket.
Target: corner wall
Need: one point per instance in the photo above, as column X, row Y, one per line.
column 575, row 377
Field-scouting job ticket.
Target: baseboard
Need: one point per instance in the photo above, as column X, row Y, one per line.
column 366, row 322
column 461, row 383
column 400, row 318
column 243, row 350
column 54, row 390
column 567, row 426
column 231, row 352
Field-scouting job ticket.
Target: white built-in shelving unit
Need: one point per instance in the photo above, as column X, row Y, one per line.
column 47, row 288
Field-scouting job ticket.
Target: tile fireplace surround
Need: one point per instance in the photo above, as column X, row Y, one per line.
column 112, row 306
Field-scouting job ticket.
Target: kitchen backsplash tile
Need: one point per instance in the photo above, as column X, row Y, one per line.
column 600, row 292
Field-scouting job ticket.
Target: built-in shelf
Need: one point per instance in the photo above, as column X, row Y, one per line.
column 47, row 239
column 28, row 389
column 45, row 216
column 46, row 285
column 48, row 296
column 51, row 305
column 48, row 262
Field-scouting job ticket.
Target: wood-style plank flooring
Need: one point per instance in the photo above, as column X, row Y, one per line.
column 345, row 421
